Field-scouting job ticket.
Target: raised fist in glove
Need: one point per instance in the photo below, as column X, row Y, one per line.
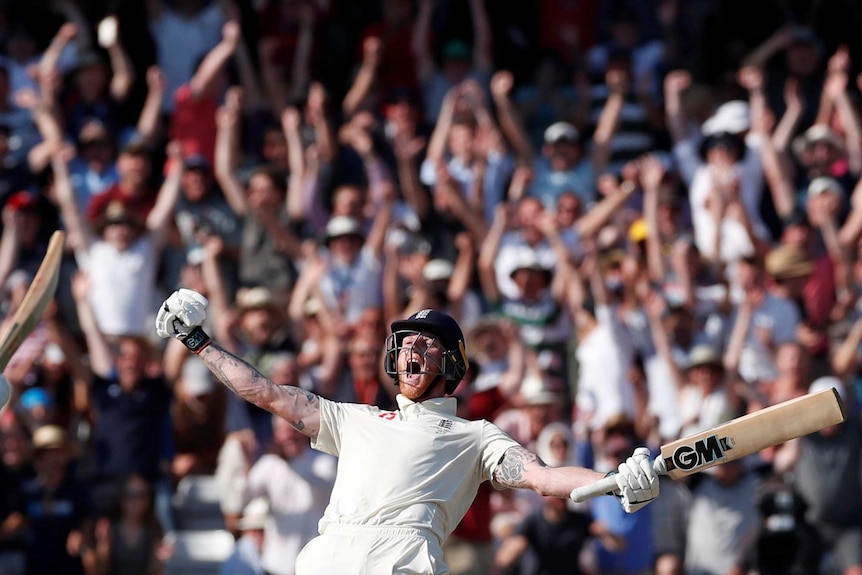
column 181, row 316
column 637, row 481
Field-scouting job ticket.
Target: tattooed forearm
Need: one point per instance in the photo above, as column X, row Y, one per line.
column 510, row 471
column 297, row 406
column 221, row 364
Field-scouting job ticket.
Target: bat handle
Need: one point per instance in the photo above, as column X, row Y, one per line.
column 607, row 485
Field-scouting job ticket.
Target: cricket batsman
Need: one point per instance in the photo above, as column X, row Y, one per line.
column 405, row 478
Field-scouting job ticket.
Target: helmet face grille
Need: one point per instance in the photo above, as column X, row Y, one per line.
column 452, row 367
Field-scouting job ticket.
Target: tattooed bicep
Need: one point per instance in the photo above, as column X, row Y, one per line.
column 300, row 408
column 512, row 468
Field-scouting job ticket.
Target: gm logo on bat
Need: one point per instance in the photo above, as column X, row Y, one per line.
column 702, row 452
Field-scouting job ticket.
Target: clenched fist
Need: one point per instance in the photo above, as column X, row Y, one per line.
column 181, row 316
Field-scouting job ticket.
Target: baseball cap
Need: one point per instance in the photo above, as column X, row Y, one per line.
column 824, row 184
column 561, row 132
column 342, row 226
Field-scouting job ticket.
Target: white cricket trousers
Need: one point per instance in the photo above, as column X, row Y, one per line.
column 368, row 550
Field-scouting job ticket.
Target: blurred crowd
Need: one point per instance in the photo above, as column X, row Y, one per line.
column 645, row 214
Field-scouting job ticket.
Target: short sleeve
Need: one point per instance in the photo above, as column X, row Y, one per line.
column 333, row 416
column 495, row 444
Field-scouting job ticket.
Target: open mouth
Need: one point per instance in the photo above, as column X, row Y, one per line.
column 413, row 368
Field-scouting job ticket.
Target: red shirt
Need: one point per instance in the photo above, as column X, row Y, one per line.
column 140, row 206
column 193, row 123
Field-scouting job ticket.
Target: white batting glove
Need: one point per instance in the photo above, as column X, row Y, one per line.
column 181, row 316
column 637, row 481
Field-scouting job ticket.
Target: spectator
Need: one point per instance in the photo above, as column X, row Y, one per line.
column 123, row 254
column 549, row 540
column 202, row 212
column 615, row 551
column 537, row 406
column 16, row 470
column 363, row 362
column 197, row 417
column 93, row 170
column 183, row 31
column 351, row 276
column 130, row 406
column 547, row 96
column 563, row 167
column 723, row 517
column 786, row 542
column 130, row 543
column 99, row 92
column 193, row 117
column 57, row 506
column 460, row 61
column 246, row 558
column 134, row 166
column 296, row 481
column 823, row 463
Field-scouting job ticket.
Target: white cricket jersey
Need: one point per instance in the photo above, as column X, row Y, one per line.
column 418, row 467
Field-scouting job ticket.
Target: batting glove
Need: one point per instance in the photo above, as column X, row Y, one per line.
column 181, row 316
column 637, row 481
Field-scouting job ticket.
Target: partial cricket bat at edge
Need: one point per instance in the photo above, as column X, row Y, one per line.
column 38, row 296
column 737, row 438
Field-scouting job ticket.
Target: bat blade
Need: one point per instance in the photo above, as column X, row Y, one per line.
column 753, row 432
column 38, row 296
column 737, row 438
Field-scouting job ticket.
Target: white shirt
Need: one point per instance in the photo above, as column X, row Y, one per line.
column 417, row 467
column 735, row 242
column 123, row 286
column 297, row 491
column 603, row 362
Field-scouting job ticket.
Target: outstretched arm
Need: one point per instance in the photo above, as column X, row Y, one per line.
column 299, row 407
column 637, row 481
column 521, row 468
column 181, row 315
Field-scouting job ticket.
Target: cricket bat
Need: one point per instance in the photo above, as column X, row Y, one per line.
column 38, row 296
column 737, row 438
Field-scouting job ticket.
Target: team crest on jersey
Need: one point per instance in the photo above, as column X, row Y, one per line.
column 445, row 426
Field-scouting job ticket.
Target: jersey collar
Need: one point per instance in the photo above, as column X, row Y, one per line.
column 441, row 405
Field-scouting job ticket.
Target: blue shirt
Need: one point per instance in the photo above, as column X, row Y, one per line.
column 549, row 184
column 635, row 527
